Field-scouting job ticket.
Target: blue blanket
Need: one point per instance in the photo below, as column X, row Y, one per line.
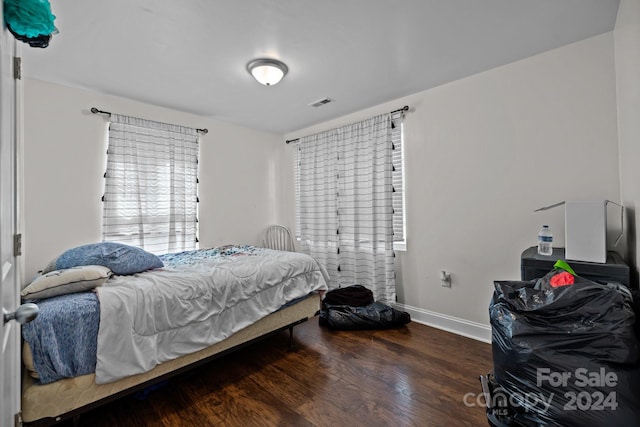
column 64, row 337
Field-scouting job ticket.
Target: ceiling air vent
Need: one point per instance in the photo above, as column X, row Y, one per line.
column 320, row 102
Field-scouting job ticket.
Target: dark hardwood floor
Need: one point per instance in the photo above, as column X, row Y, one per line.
column 412, row 376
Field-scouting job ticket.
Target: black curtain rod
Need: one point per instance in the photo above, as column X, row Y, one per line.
column 94, row 110
column 399, row 110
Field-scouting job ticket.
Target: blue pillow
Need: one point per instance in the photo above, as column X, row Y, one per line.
column 119, row 258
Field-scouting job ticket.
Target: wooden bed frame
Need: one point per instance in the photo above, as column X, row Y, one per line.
column 48, row 404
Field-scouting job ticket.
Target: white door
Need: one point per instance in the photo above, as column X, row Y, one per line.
column 9, row 297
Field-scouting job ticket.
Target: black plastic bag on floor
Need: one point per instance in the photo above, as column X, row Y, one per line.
column 567, row 355
column 373, row 316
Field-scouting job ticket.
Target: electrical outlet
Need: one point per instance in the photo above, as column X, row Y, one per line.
column 445, row 279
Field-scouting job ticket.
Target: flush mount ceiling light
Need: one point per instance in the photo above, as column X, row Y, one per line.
column 267, row 71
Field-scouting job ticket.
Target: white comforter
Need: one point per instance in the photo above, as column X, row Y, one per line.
column 158, row 315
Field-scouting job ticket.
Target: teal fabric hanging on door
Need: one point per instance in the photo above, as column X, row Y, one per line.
column 30, row 21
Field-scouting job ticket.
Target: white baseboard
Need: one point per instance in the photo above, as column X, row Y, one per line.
column 456, row 325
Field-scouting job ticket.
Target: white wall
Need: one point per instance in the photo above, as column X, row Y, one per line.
column 627, row 54
column 65, row 159
column 481, row 154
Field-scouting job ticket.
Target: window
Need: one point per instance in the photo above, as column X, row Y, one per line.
column 398, row 179
column 150, row 197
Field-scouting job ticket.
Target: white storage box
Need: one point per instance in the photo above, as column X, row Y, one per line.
column 585, row 230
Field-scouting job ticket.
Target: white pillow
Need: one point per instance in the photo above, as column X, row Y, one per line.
column 67, row 281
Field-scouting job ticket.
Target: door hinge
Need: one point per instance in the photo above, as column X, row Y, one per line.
column 17, row 245
column 18, row 419
column 17, row 68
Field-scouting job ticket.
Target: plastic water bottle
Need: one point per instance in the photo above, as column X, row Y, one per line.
column 545, row 241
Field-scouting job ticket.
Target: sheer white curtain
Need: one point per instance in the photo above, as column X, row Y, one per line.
column 150, row 197
column 345, row 204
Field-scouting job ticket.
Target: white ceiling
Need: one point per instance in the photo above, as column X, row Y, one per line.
column 191, row 55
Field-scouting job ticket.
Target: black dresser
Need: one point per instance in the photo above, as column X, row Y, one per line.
column 534, row 266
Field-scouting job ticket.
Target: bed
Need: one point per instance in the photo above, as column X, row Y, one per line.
column 87, row 348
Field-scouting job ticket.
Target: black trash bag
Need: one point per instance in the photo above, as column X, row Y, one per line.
column 373, row 316
column 566, row 356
